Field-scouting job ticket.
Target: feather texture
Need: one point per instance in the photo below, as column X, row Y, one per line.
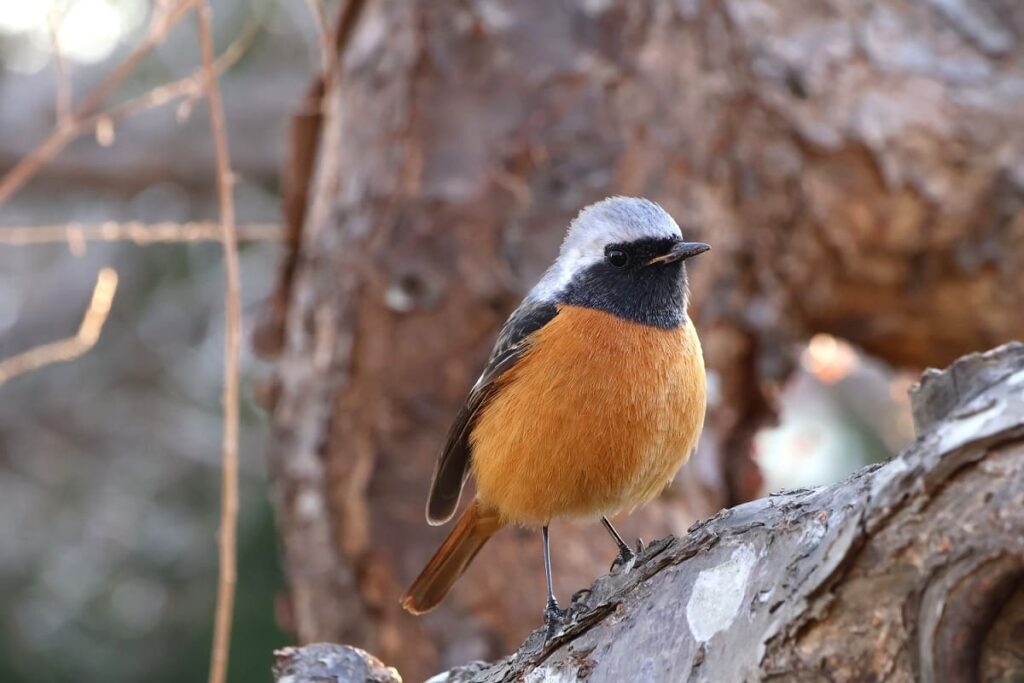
column 595, row 417
column 475, row 526
column 453, row 464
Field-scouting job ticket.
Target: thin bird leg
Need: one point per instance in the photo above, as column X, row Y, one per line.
column 623, row 548
column 552, row 614
column 626, row 556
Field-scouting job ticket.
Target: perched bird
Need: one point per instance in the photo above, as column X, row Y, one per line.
column 593, row 396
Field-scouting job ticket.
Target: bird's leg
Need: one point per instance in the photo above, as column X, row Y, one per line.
column 553, row 615
column 626, row 557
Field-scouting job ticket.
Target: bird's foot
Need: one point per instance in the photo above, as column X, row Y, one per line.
column 554, row 617
column 626, row 557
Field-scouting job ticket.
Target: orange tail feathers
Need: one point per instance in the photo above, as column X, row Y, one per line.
column 475, row 526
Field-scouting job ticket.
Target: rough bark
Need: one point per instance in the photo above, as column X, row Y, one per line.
column 908, row 571
column 326, row 663
column 857, row 166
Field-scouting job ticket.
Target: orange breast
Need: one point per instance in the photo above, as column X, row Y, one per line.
column 596, row 417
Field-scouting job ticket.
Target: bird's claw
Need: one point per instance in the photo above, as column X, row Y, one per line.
column 626, row 557
column 579, row 596
column 554, row 616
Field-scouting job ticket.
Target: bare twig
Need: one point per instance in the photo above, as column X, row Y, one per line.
column 139, row 233
column 229, row 479
column 163, row 21
column 328, row 54
column 72, row 347
column 166, row 15
column 53, row 21
column 190, row 86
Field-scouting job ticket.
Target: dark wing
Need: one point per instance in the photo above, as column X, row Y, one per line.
column 453, row 464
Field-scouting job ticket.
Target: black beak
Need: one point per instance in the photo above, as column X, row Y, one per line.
column 680, row 252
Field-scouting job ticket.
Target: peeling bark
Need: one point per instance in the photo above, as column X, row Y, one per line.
column 908, row 571
column 858, row 167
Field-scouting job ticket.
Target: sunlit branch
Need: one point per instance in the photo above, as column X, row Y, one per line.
column 72, row 347
column 133, row 231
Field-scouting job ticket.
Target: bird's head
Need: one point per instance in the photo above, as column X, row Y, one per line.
column 623, row 255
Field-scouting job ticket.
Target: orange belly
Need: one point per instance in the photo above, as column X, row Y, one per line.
column 596, row 417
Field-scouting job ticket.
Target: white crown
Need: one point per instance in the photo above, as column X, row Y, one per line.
column 616, row 220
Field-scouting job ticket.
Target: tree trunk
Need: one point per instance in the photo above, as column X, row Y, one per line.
column 909, row 571
column 856, row 165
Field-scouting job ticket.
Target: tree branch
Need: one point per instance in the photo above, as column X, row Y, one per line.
column 88, row 116
column 232, row 342
column 911, row 570
column 165, row 17
column 72, row 347
column 133, row 231
column 326, row 663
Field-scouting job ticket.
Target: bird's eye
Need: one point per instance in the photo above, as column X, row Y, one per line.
column 617, row 258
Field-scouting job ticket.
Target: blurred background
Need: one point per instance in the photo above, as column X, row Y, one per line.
column 110, row 459
column 110, row 463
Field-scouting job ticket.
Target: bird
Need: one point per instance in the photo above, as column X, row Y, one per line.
column 593, row 396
